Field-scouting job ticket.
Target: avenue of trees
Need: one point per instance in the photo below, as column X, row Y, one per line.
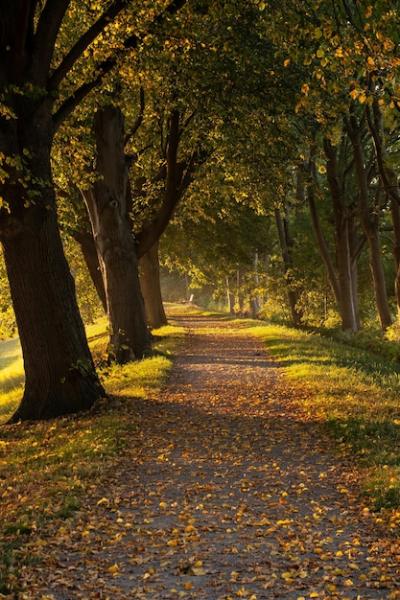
column 249, row 148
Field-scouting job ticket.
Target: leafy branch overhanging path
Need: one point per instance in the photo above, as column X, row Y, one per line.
column 224, row 493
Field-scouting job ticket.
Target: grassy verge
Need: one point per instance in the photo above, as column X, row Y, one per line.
column 354, row 393
column 45, row 468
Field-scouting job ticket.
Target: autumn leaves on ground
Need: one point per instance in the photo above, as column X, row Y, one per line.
column 235, row 477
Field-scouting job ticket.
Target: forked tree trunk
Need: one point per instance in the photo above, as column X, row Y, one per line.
column 108, row 204
column 149, row 273
column 370, row 223
column 340, row 273
column 60, row 377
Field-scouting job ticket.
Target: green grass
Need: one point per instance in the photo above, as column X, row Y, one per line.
column 48, row 466
column 354, row 393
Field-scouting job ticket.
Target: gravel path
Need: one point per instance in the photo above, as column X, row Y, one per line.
column 227, row 494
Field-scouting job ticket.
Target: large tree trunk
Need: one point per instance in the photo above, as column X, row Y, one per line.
column 108, row 204
column 60, row 377
column 149, row 273
column 89, row 253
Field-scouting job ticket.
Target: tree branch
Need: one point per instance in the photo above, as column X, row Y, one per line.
column 45, row 37
column 139, row 118
column 107, row 65
column 84, row 42
column 152, row 232
column 76, row 98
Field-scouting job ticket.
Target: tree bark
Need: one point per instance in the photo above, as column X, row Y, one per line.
column 108, row 204
column 285, row 244
column 343, row 241
column 149, row 273
column 370, row 223
column 230, row 297
column 89, row 253
column 60, row 377
column 239, row 291
column 390, row 184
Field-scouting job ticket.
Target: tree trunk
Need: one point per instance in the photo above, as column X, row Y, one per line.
column 239, row 291
column 230, row 297
column 253, row 307
column 370, row 223
column 344, row 232
column 60, row 377
column 89, row 252
column 149, row 272
column 356, row 246
column 390, row 184
column 285, row 244
column 345, row 275
column 108, row 204
column 395, row 210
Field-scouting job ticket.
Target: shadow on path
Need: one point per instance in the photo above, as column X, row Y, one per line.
column 224, row 493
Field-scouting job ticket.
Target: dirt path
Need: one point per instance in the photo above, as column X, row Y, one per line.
column 225, row 495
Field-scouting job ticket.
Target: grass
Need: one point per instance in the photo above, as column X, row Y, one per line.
column 48, row 466
column 354, row 393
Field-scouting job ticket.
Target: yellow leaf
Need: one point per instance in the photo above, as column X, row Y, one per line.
column 172, row 542
column 114, row 569
column 103, row 501
column 198, row 571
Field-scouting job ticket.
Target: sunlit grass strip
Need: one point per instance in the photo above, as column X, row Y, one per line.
column 354, row 393
column 48, row 466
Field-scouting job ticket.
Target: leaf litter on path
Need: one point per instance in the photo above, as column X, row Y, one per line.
column 226, row 492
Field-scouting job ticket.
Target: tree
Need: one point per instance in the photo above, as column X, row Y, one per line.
column 109, row 203
column 60, row 376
